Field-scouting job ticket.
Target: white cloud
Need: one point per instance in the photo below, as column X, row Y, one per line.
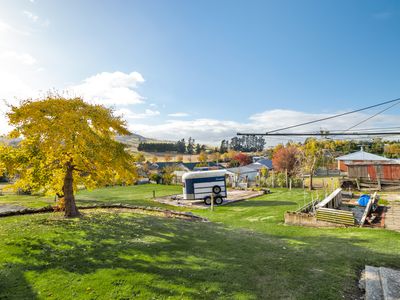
column 107, row 88
column 31, row 16
column 278, row 118
column 13, row 88
column 5, row 27
column 204, row 130
column 213, row 131
column 178, row 115
column 23, row 58
column 35, row 18
column 111, row 89
column 130, row 115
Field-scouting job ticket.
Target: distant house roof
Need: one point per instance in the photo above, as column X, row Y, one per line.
column 185, row 166
column 362, row 155
column 265, row 163
column 162, row 165
column 192, row 165
column 241, row 170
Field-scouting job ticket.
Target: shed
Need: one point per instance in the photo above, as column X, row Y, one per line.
column 358, row 157
column 382, row 171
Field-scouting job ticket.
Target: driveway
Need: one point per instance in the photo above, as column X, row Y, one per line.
column 233, row 196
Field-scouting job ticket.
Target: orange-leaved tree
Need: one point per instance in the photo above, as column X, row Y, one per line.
column 66, row 143
column 286, row 159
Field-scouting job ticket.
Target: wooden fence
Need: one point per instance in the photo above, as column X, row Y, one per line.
column 332, row 201
column 335, row 216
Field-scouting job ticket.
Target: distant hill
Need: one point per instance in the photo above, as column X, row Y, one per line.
column 134, row 139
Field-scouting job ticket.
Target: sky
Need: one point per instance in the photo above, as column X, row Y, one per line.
column 206, row 69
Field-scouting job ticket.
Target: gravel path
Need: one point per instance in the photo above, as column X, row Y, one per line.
column 8, row 207
column 392, row 218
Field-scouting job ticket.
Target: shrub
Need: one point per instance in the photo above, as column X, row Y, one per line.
column 279, row 180
column 155, row 177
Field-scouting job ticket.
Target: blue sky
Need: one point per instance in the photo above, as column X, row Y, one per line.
column 206, row 68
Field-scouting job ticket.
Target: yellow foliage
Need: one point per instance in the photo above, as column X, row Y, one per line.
column 60, row 204
column 203, row 157
column 59, row 133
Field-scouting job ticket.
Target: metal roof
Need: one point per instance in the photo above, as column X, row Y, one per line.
column 362, row 155
column 203, row 174
column 262, row 163
column 241, row 170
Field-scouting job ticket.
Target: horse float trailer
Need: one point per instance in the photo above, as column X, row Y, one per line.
column 203, row 185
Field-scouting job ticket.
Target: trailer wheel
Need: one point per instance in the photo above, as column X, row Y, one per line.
column 216, row 189
column 207, row 200
column 218, row 200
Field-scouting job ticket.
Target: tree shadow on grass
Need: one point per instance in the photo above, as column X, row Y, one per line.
column 13, row 284
column 143, row 256
column 253, row 203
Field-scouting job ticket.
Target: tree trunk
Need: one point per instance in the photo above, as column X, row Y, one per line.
column 311, row 182
column 70, row 207
column 286, row 178
column 312, row 169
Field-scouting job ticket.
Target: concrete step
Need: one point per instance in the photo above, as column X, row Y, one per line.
column 382, row 283
column 373, row 286
column 390, row 280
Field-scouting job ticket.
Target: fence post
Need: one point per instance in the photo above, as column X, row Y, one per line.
column 212, row 202
column 273, row 179
column 286, row 177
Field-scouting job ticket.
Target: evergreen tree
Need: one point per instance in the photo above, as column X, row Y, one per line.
column 181, row 146
column 198, row 148
column 224, row 147
column 190, row 146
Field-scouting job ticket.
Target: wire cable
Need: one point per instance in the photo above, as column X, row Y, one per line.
column 374, row 115
column 335, row 116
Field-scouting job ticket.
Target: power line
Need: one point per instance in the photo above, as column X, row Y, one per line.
column 369, row 118
column 335, row 116
column 377, row 128
column 322, row 134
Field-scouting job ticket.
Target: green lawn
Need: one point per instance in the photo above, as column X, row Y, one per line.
column 244, row 253
column 26, row 200
column 136, row 195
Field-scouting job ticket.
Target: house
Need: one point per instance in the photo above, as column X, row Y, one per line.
column 260, row 164
column 178, row 176
column 242, row 175
column 358, row 157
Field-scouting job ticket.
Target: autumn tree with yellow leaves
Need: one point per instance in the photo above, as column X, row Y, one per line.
column 66, row 143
